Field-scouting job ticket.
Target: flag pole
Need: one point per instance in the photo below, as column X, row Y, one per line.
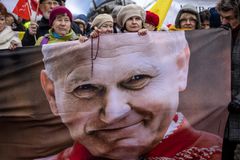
column 161, row 8
column 29, row 10
column 37, row 10
column 35, row 19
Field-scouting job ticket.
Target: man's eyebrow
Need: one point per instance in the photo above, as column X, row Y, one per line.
column 74, row 78
column 148, row 69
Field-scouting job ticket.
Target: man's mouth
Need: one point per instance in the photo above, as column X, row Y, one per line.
column 112, row 128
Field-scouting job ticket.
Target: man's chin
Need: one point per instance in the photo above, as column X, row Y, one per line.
column 123, row 153
column 122, row 149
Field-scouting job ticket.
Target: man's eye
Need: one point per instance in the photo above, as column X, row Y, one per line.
column 136, row 82
column 86, row 91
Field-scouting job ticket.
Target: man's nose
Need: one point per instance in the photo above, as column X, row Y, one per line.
column 224, row 21
column 115, row 107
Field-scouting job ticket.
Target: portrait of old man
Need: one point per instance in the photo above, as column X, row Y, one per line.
column 118, row 95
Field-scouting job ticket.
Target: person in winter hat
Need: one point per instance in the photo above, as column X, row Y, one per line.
column 100, row 20
column 82, row 21
column 8, row 39
column 41, row 27
column 101, row 24
column 152, row 21
column 131, row 19
column 188, row 18
column 60, row 21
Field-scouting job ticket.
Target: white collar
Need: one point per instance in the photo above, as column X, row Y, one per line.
column 174, row 124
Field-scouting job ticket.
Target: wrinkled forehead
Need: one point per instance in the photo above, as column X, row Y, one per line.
column 62, row 58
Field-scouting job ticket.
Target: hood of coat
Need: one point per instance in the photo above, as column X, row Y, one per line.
column 188, row 9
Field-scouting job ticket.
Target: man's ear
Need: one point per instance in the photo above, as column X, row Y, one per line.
column 183, row 65
column 48, row 88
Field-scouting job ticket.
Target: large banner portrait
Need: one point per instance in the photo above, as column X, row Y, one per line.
column 122, row 96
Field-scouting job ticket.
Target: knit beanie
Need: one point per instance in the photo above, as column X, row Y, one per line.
column 60, row 10
column 129, row 11
column 188, row 8
column 115, row 11
column 100, row 19
column 152, row 18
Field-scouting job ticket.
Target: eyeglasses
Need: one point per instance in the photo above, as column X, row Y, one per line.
column 191, row 20
column 54, row 3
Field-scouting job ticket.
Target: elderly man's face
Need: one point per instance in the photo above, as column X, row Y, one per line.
column 229, row 17
column 47, row 6
column 124, row 109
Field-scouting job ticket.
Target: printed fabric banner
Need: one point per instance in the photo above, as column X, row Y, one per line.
column 122, row 96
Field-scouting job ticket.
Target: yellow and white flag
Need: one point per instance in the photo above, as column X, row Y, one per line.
column 161, row 8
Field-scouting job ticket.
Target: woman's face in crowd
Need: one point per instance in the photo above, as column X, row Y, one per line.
column 9, row 20
column 134, row 24
column 188, row 21
column 62, row 25
column 107, row 27
column 2, row 23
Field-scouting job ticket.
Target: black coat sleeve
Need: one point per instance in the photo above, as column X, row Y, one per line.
column 28, row 40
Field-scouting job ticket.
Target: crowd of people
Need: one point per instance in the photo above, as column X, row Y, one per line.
column 57, row 18
column 59, row 25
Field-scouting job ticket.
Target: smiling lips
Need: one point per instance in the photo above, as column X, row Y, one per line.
column 112, row 128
